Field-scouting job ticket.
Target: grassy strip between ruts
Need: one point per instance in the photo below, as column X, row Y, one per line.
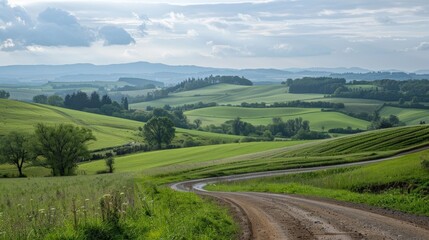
column 113, row 206
column 400, row 184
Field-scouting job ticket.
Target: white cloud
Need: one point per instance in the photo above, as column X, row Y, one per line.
column 349, row 50
column 229, row 51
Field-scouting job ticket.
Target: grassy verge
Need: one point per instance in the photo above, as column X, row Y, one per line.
column 400, row 184
column 114, row 206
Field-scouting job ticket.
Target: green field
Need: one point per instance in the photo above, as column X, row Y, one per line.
column 354, row 148
column 109, row 131
column 372, row 142
column 229, row 94
column 264, row 116
column 400, row 184
column 409, row 116
column 185, row 156
column 71, row 208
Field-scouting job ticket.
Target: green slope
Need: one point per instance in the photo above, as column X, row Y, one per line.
column 409, row 116
column 188, row 156
column 110, row 131
column 263, row 116
column 229, row 94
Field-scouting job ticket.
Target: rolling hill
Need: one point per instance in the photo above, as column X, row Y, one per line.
column 229, row 94
column 263, row 116
column 109, row 131
column 407, row 115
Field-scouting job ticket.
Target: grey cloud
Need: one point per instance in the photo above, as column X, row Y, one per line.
column 113, row 35
column 57, row 16
column 423, row 46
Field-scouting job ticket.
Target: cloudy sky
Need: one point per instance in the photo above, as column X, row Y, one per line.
column 374, row 34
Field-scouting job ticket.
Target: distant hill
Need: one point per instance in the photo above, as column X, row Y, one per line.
column 371, row 76
column 140, row 82
column 171, row 75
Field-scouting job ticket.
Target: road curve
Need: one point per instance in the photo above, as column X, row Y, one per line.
column 277, row 216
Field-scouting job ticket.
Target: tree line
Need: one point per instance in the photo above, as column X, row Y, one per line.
column 297, row 103
column 293, row 128
column 191, row 84
column 389, row 90
column 321, row 85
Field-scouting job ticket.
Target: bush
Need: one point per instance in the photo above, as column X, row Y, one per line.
column 425, row 164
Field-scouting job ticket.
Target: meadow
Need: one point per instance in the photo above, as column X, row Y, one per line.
column 138, row 207
column 263, row 116
column 109, row 131
column 185, row 156
column 113, row 206
column 400, row 184
column 406, row 115
column 228, row 94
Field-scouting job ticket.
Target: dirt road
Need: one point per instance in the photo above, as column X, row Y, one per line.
column 276, row 216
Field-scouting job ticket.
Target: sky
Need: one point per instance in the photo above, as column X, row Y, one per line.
column 372, row 34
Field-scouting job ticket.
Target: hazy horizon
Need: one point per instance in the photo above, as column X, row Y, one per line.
column 375, row 35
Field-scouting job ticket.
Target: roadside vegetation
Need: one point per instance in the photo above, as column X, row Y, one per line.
column 400, row 184
column 112, row 206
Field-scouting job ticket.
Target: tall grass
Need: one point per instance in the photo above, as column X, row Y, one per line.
column 401, row 184
column 109, row 206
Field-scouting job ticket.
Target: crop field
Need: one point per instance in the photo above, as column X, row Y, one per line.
column 229, row 94
column 397, row 184
column 109, row 131
column 264, row 116
column 409, row 116
column 373, row 141
column 355, row 105
column 148, row 160
column 357, row 147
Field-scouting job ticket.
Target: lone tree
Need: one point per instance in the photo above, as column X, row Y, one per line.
column 14, row 149
column 62, row 146
column 159, row 130
column 110, row 161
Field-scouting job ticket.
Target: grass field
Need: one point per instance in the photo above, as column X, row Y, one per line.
column 359, row 147
column 400, row 184
column 409, row 116
column 74, row 208
column 148, row 160
column 229, row 94
column 109, row 131
column 263, row 116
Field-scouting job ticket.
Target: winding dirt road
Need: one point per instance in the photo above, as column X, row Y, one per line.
column 277, row 216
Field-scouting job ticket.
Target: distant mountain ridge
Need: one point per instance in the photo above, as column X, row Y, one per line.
column 170, row 75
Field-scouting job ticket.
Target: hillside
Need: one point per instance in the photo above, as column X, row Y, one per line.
column 229, row 94
column 109, row 131
column 263, row 116
column 407, row 115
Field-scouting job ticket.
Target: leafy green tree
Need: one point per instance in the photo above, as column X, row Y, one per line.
column 158, row 131
column 110, row 161
column 4, row 94
column 106, row 100
column 14, row 149
column 124, row 102
column 43, row 99
column 56, row 100
column 61, row 146
column 94, row 100
column 198, row 123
